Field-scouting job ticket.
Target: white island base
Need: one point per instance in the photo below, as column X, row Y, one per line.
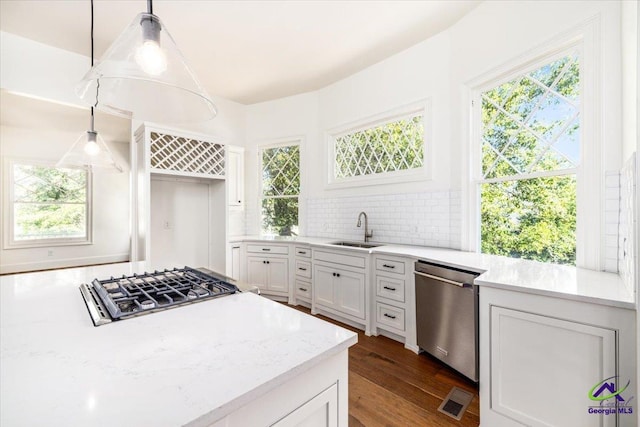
column 316, row 398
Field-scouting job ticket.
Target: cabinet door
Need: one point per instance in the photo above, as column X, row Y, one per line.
column 257, row 272
column 323, row 286
column 235, row 178
column 321, row 411
column 542, row 369
column 350, row 293
column 235, row 262
column 278, row 274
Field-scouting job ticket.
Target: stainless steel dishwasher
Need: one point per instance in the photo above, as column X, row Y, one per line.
column 447, row 315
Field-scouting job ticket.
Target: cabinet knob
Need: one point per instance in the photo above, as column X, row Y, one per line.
column 334, row 274
column 337, row 274
column 238, row 201
column 267, row 262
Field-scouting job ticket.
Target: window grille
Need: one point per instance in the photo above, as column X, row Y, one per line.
column 530, row 142
column 380, row 149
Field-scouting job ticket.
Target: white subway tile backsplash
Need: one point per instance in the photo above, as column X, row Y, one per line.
column 425, row 218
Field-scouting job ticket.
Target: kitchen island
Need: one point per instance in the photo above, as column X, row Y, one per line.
column 236, row 360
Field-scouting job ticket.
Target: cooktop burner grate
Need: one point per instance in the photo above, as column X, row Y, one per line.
column 132, row 295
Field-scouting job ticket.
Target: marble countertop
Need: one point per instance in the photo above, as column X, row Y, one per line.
column 518, row 275
column 187, row 366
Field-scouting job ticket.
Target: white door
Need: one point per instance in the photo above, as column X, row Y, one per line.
column 257, row 272
column 323, row 286
column 179, row 224
column 350, row 293
column 278, row 274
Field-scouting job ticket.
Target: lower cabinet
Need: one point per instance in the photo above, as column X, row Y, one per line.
column 270, row 274
column 340, row 290
column 541, row 358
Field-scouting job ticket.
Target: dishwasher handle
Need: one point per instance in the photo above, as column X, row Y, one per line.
column 440, row 279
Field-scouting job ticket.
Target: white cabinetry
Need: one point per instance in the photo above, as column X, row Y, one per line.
column 394, row 304
column 340, row 286
column 235, row 177
column 303, row 275
column 268, row 268
column 541, row 356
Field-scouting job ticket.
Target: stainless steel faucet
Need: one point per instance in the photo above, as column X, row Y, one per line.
column 367, row 233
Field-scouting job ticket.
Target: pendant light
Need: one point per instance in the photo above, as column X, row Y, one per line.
column 144, row 76
column 90, row 150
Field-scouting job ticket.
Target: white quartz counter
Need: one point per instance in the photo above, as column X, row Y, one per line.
column 501, row 272
column 186, row 366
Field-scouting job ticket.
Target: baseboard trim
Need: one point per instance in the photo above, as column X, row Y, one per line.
column 62, row 263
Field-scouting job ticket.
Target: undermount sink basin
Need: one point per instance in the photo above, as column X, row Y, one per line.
column 355, row 244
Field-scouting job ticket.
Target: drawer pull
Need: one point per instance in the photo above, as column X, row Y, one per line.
column 390, row 316
column 301, row 268
column 266, row 249
column 388, row 266
column 389, row 288
column 303, row 289
column 302, row 252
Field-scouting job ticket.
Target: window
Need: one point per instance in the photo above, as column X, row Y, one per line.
column 49, row 205
column 388, row 147
column 280, row 189
column 529, row 162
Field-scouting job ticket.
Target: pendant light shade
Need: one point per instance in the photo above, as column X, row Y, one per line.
column 144, row 76
column 89, row 151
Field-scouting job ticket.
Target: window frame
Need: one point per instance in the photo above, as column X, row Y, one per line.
column 422, row 107
column 10, row 242
column 283, row 142
column 589, row 201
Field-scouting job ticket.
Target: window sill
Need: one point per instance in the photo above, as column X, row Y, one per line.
column 45, row 244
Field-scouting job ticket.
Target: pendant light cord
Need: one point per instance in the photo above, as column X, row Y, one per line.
column 150, row 7
column 92, row 56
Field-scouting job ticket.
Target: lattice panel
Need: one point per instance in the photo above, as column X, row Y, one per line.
column 181, row 154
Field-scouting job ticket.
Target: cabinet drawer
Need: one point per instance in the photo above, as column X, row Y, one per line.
column 339, row 258
column 268, row 249
column 390, row 316
column 303, row 289
column 303, row 269
column 303, row 252
column 391, row 266
column 392, row 288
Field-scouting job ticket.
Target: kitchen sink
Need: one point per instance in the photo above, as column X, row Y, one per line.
column 355, row 244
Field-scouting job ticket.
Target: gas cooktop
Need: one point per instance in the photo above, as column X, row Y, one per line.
column 123, row 297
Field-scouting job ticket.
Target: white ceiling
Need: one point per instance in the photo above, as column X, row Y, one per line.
column 249, row 51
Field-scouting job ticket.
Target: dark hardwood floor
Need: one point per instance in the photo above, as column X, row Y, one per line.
column 392, row 386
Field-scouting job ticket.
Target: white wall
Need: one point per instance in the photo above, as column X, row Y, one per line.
column 437, row 69
column 292, row 118
column 110, row 203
